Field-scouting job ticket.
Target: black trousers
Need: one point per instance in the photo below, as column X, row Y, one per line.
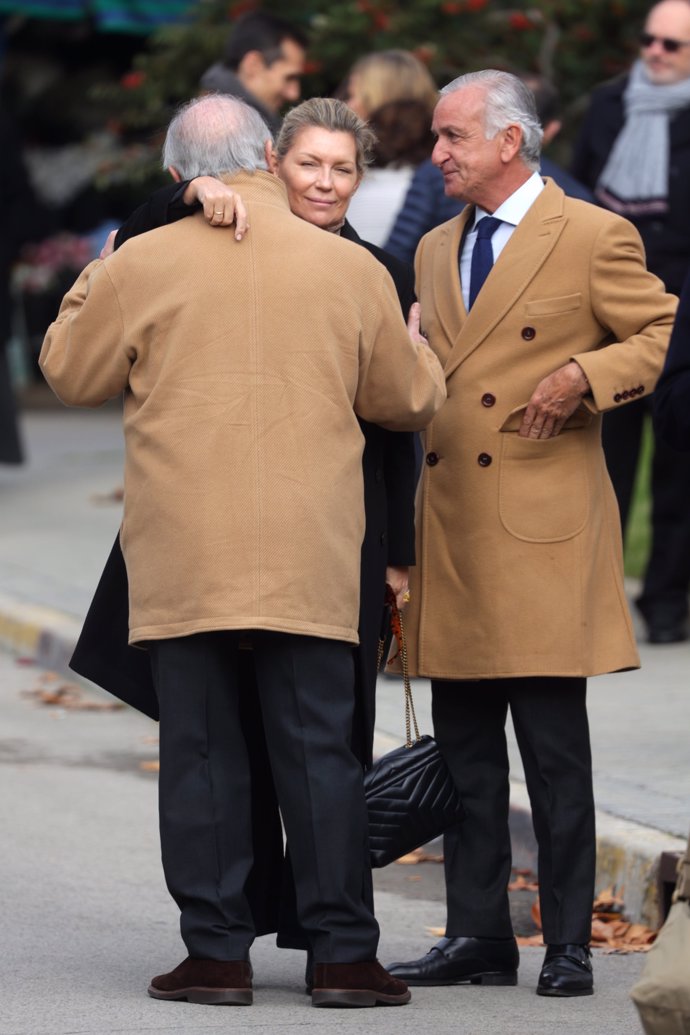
column 305, row 688
column 667, row 577
column 550, row 720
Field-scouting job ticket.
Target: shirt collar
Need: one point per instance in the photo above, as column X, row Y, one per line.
column 515, row 207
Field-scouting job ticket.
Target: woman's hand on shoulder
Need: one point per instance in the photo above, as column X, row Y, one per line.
column 417, row 336
column 221, row 204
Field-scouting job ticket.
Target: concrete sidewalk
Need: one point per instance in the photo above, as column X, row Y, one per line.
column 59, row 515
column 87, row 921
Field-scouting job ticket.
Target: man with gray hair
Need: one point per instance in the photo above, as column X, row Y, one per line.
column 543, row 313
column 244, row 367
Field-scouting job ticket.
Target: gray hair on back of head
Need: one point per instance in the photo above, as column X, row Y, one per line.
column 215, row 135
column 508, row 102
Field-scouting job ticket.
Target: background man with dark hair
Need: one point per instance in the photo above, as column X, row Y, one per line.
column 262, row 64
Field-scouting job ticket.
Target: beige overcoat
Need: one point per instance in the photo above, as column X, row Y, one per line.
column 519, row 559
column 244, row 367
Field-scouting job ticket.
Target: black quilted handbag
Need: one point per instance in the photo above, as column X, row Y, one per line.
column 411, row 797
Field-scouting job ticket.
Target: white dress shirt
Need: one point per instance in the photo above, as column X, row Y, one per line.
column 510, row 212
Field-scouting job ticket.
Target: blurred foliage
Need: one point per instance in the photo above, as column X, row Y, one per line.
column 577, row 43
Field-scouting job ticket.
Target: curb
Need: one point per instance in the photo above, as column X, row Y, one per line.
column 42, row 633
column 628, row 854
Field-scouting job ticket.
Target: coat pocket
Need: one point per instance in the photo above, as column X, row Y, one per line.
column 543, row 490
column 554, row 306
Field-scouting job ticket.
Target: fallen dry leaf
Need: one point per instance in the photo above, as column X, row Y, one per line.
column 114, row 496
column 521, row 883
column 418, row 856
column 436, row 932
column 68, row 695
column 607, row 901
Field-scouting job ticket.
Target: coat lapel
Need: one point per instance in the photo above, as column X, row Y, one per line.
column 519, row 262
column 447, row 295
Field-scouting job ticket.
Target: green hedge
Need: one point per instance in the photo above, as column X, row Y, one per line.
column 577, row 44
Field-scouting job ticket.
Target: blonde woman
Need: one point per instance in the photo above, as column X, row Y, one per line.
column 394, row 92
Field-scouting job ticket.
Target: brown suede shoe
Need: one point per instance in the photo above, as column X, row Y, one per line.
column 214, row 982
column 357, row 984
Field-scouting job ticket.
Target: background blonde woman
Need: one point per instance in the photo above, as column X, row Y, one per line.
column 395, row 93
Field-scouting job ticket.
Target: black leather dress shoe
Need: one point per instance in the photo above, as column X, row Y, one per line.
column 567, row 971
column 663, row 621
column 667, row 631
column 481, row 961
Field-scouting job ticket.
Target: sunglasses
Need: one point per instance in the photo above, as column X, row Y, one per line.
column 670, row 46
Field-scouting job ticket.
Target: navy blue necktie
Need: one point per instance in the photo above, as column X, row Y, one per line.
column 482, row 255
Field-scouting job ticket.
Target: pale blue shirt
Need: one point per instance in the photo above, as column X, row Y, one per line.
column 511, row 211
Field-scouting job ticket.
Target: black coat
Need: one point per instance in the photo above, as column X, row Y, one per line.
column 671, row 399
column 666, row 237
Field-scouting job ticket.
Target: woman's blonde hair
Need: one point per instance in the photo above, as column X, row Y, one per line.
column 393, row 75
column 332, row 115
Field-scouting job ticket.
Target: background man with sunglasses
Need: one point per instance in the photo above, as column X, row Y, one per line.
column 634, row 153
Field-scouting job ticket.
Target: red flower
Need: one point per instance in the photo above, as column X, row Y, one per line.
column 381, row 20
column 476, row 5
column 424, row 53
column 241, row 7
column 520, row 21
column 450, row 8
column 132, row 80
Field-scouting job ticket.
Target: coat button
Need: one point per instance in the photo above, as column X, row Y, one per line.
column 617, row 397
column 378, row 475
column 625, row 395
column 432, row 459
column 484, row 459
column 488, row 399
column 640, row 389
column 382, row 538
column 528, row 333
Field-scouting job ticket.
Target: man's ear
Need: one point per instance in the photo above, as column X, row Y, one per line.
column 252, row 64
column 174, row 173
column 271, row 160
column 512, row 141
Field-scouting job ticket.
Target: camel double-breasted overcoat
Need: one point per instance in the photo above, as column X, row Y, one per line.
column 519, row 558
column 245, row 366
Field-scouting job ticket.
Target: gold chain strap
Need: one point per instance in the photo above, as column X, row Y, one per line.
column 410, row 715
